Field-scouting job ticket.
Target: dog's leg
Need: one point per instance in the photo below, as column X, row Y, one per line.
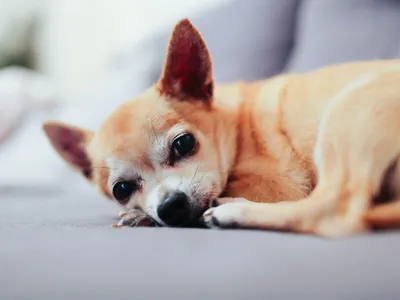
column 247, row 214
column 352, row 153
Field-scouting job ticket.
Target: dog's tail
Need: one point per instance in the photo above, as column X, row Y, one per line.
column 384, row 216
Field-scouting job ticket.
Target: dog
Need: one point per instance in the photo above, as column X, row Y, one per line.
column 313, row 153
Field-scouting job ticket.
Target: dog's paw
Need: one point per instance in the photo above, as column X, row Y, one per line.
column 228, row 215
column 133, row 218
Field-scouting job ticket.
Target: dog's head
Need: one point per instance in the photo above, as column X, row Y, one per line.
column 163, row 152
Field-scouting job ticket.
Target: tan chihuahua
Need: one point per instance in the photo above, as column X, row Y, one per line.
column 313, row 153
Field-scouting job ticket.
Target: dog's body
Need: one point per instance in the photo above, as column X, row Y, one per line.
column 327, row 139
column 278, row 120
column 336, row 127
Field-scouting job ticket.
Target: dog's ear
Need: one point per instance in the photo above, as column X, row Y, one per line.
column 71, row 143
column 187, row 72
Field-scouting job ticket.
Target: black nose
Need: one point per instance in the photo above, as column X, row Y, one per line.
column 175, row 210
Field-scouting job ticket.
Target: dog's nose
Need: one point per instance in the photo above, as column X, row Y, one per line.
column 175, row 209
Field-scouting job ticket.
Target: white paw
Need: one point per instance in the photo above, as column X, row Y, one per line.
column 229, row 215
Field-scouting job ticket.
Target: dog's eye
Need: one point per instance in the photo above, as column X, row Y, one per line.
column 184, row 145
column 123, row 190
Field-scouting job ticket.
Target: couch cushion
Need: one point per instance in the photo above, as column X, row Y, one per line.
column 61, row 246
column 332, row 31
column 248, row 40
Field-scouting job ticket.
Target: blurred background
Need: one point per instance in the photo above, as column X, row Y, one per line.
column 74, row 41
column 75, row 60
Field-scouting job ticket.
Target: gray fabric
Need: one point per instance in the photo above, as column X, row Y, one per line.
column 248, row 40
column 336, row 31
column 61, row 247
column 58, row 245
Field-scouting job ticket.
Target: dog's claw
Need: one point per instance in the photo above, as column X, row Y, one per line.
column 209, row 219
column 209, row 212
column 118, row 225
column 122, row 214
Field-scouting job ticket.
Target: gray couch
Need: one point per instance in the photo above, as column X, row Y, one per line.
column 57, row 244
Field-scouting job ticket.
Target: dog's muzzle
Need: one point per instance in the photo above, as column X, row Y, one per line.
column 175, row 209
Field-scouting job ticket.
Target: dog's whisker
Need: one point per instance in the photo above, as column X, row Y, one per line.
column 202, row 177
column 195, row 173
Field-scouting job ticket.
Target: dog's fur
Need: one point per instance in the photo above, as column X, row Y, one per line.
column 325, row 145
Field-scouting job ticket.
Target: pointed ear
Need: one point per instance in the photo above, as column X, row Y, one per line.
column 71, row 143
column 188, row 68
